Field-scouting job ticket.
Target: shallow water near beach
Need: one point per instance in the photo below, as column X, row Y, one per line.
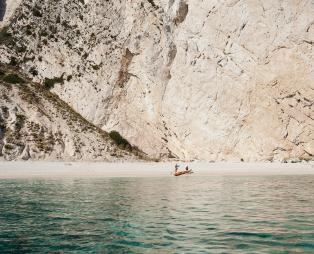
column 190, row 214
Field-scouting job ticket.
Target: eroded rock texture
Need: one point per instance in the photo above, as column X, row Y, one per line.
column 213, row 80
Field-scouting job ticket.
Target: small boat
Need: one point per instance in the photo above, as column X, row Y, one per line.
column 185, row 172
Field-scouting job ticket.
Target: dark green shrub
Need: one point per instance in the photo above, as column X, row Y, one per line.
column 8, row 147
column 119, row 140
column 20, row 121
column 21, row 49
column 13, row 61
column 29, row 32
column 53, row 29
column 4, row 35
column 66, row 24
column 69, row 78
column 44, row 33
column 37, row 12
column 85, row 55
column 152, row 3
column 96, row 67
column 13, row 79
column 50, row 83
column 29, row 29
column 33, row 71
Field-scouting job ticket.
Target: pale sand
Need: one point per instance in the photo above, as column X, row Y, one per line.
column 90, row 169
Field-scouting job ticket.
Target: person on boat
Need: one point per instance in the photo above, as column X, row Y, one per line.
column 176, row 167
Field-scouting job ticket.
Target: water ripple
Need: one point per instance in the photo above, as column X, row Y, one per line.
column 160, row 215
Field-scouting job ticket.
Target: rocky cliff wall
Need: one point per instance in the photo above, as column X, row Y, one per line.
column 213, row 80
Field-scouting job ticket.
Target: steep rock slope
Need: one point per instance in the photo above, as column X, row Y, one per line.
column 215, row 80
column 35, row 124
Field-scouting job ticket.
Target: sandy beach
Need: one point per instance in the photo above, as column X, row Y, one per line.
column 21, row 169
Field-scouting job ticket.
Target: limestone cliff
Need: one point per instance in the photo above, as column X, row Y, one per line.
column 213, row 80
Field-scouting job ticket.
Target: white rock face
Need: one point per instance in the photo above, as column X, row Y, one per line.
column 213, row 80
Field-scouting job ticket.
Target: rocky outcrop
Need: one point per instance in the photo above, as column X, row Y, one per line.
column 213, row 80
column 36, row 124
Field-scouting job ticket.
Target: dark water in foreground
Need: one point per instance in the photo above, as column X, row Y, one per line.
column 231, row 214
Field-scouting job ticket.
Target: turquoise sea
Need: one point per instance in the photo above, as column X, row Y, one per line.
column 218, row 214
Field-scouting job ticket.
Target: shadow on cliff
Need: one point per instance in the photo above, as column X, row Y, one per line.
column 3, row 7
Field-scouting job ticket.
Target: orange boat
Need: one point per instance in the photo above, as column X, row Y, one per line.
column 185, row 172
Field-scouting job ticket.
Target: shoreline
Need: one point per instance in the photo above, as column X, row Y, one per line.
column 44, row 169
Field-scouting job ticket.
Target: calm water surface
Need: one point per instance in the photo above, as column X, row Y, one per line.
column 219, row 214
